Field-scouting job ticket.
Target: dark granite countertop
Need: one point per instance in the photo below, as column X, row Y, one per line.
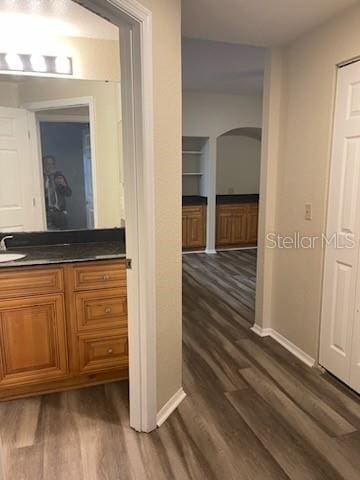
column 77, row 252
column 242, row 198
column 194, row 200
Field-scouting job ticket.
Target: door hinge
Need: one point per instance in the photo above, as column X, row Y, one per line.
column 128, row 264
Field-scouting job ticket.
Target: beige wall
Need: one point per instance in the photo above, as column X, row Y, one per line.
column 167, row 148
column 211, row 115
column 9, row 95
column 107, row 133
column 302, row 175
column 237, row 165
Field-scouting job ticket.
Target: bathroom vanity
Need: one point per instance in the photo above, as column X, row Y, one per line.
column 63, row 317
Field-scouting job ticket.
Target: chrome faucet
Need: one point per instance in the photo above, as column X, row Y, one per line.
column 3, row 244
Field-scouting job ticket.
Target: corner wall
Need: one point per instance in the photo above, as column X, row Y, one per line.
column 308, row 97
column 167, row 150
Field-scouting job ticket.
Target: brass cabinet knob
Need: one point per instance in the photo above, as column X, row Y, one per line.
column 108, row 310
column 110, row 350
column 106, row 277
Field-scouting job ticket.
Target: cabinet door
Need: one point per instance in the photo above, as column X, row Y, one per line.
column 252, row 224
column 223, row 225
column 196, row 233
column 32, row 343
column 195, row 227
column 239, row 230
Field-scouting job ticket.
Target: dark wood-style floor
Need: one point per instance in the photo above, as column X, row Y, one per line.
column 252, row 412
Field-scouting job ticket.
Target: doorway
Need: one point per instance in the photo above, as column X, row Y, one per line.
column 237, row 188
column 66, row 151
column 135, row 29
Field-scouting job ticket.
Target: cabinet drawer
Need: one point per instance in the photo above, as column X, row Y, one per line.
column 101, row 309
column 99, row 275
column 17, row 282
column 102, row 352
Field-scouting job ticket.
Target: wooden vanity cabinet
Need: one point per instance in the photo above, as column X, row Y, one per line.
column 193, row 227
column 98, row 309
column 236, row 224
column 62, row 327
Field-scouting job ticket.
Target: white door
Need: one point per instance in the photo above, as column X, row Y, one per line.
column 341, row 302
column 18, row 207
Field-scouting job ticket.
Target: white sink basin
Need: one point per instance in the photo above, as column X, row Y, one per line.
column 10, row 257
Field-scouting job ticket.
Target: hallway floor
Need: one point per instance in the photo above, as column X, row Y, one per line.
column 253, row 411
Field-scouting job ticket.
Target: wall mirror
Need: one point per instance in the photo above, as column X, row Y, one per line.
column 60, row 154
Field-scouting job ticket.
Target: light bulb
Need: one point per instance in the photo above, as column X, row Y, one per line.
column 63, row 65
column 14, row 61
column 38, row 63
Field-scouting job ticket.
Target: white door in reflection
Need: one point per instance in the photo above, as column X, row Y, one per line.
column 67, row 173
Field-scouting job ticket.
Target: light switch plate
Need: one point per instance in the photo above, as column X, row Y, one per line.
column 308, row 211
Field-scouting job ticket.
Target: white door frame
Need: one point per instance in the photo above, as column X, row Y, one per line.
column 46, row 105
column 135, row 26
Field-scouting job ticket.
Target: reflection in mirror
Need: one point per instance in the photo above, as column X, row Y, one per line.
column 67, row 168
column 60, row 154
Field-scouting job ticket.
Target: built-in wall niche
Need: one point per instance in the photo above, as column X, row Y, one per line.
column 194, row 162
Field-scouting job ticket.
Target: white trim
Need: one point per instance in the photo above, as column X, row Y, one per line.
column 35, row 152
column 210, row 251
column 291, row 347
column 135, row 26
column 89, row 102
column 193, row 251
column 170, row 406
column 58, row 103
column 63, row 118
column 235, row 248
column 262, row 332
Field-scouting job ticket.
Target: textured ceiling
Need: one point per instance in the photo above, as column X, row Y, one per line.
column 256, row 22
column 216, row 67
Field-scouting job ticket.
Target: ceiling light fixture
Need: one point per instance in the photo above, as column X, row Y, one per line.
column 36, row 63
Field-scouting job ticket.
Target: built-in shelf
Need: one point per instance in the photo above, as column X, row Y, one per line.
column 192, row 174
column 191, row 152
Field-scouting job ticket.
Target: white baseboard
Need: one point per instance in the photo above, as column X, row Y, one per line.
column 193, row 251
column 210, row 251
column 170, row 406
column 262, row 332
column 291, row 347
column 235, row 249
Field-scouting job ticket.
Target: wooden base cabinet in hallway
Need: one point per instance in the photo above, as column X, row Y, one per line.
column 193, row 227
column 236, row 224
column 62, row 327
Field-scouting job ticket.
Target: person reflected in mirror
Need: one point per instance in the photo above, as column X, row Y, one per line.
column 56, row 191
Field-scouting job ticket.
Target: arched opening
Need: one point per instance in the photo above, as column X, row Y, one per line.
column 238, row 162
